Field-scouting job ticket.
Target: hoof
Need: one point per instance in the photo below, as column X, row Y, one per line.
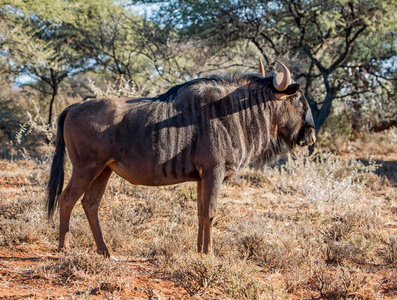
column 63, row 250
column 104, row 252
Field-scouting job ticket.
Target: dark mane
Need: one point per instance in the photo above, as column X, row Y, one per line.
column 221, row 79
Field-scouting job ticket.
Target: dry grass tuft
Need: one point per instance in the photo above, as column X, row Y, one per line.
column 388, row 251
column 342, row 282
column 23, row 221
column 95, row 274
column 199, row 273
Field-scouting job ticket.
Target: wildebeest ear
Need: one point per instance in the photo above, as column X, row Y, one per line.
column 290, row 90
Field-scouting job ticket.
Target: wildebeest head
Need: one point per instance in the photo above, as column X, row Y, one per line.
column 293, row 121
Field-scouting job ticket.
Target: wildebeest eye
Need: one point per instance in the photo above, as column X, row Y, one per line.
column 297, row 101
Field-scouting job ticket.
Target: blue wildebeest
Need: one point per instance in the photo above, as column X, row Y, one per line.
column 204, row 130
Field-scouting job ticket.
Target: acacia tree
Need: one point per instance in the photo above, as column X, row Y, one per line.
column 138, row 49
column 64, row 61
column 50, row 42
column 338, row 49
column 37, row 45
column 110, row 35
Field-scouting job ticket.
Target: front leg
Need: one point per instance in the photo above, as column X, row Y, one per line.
column 207, row 198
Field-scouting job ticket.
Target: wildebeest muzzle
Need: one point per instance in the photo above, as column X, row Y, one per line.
column 307, row 136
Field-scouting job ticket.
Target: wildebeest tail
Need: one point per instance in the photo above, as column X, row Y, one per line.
column 55, row 184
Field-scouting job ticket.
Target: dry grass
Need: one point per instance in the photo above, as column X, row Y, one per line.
column 318, row 226
column 200, row 275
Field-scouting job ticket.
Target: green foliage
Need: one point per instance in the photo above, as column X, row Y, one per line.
column 23, row 22
column 52, row 45
column 12, row 119
column 52, row 10
column 9, row 126
column 38, row 43
column 110, row 34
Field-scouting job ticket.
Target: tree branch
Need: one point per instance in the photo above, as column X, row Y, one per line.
column 352, row 94
column 348, row 47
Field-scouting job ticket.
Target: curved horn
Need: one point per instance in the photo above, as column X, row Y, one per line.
column 261, row 68
column 282, row 80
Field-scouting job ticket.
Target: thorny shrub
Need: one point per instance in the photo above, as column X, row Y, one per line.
column 324, row 179
column 341, row 282
column 196, row 274
column 388, row 282
column 22, row 132
column 91, row 269
column 121, row 88
column 388, row 251
column 22, row 220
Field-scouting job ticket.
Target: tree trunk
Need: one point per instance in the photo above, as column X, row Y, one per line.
column 54, row 85
column 320, row 115
column 324, row 111
column 54, row 94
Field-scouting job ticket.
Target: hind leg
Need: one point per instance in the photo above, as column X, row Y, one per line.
column 78, row 184
column 91, row 202
column 200, row 236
